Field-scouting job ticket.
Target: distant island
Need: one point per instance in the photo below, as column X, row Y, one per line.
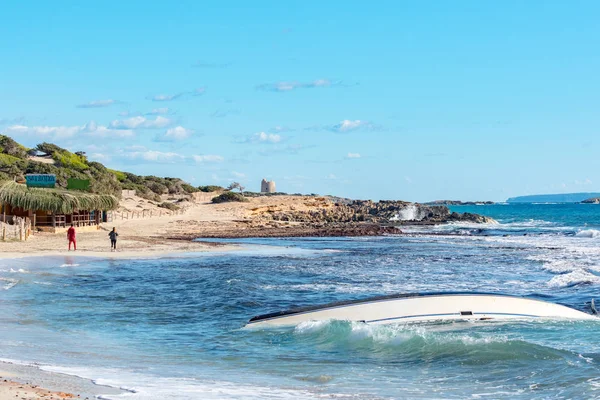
column 458, row 203
column 554, row 198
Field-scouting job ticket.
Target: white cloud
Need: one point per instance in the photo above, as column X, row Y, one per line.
column 208, row 158
column 263, row 137
column 101, row 157
column 279, row 128
column 169, row 97
column 238, row 174
column 155, row 156
column 331, row 177
column 166, row 97
column 98, row 104
column 289, row 86
column 353, row 155
column 65, row 132
column 408, row 179
column 176, row 133
column 584, row 182
column 140, row 122
column 351, row 125
column 159, row 111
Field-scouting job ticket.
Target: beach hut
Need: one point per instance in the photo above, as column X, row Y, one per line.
column 53, row 210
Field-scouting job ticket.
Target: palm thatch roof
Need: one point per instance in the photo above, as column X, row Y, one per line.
column 59, row 201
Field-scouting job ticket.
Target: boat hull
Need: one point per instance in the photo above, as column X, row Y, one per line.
column 424, row 308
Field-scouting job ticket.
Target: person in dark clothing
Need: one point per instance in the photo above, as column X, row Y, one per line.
column 113, row 239
column 71, row 237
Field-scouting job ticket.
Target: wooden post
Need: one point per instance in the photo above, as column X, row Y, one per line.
column 3, row 232
column 34, row 220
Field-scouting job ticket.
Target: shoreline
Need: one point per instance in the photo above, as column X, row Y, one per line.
column 162, row 237
column 194, row 248
column 22, row 380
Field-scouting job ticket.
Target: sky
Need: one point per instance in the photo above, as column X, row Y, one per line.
column 411, row 100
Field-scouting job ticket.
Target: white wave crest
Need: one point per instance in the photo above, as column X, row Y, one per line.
column 588, row 233
column 10, row 283
column 574, row 278
column 20, row 271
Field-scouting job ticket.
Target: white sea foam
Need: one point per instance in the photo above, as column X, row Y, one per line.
column 140, row 386
column 20, row 271
column 409, row 213
column 69, row 265
column 576, row 277
column 588, row 233
column 9, row 283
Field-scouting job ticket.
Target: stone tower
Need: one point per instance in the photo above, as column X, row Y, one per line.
column 267, row 186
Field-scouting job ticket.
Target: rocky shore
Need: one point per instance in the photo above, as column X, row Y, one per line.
column 397, row 212
column 318, row 217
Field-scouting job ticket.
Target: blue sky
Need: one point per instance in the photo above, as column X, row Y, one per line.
column 419, row 101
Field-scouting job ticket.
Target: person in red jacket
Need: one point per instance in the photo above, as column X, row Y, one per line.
column 71, row 237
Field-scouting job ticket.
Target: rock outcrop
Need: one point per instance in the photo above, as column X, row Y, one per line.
column 593, row 200
column 383, row 212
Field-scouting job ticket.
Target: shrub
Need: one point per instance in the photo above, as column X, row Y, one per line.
column 169, row 206
column 12, row 148
column 189, row 188
column 210, row 188
column 69, row 160
column 6, row 159
column 121, row 176
column 229, row 197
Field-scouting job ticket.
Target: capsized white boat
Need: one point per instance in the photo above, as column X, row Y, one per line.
column 426, row 307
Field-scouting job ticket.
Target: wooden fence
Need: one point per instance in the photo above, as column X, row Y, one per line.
column 15, row 228
column 124, row 215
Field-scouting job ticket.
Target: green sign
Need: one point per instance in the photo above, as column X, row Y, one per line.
column 40, row 180
column 78, row 184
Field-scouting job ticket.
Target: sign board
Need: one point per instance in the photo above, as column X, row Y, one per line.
column 40, row 180
column 78, row 184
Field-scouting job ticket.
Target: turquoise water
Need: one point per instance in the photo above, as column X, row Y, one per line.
column 171, row 328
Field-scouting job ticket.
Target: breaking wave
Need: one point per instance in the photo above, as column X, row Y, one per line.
column 588, row 233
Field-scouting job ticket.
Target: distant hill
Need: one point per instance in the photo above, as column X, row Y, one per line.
column 553, row 198
column 458, row 203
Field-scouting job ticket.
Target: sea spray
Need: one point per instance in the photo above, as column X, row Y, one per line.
column 409, row 213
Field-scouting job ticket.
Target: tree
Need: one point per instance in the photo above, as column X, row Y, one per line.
column 236, row 185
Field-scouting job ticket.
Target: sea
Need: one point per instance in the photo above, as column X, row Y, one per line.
column 172, row 327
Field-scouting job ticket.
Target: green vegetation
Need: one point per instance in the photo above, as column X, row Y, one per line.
column 229, row 197
column 6, row 159
column 211, row 188
column 12, row 148
column 14, row 163
column 121, row 176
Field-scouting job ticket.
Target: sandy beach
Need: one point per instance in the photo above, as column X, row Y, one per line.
column 149, row 237
column 165, row 234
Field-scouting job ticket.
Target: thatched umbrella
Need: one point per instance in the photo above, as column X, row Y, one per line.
column 57, row 201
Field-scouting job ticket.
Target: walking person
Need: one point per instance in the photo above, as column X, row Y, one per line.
column 113, row 239
column 71, row 237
